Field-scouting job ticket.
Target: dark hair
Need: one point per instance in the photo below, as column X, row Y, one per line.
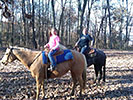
column 55, row 31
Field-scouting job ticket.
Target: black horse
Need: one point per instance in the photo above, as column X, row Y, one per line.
column 97, row 58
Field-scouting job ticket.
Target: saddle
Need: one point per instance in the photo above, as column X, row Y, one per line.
column 57, row 53
column 59, row 56
column 91, row 52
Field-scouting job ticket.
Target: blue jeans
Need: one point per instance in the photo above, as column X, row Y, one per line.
column 51, row 58
column 84, row 49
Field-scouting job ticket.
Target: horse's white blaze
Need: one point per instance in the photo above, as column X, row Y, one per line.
column 5, row 57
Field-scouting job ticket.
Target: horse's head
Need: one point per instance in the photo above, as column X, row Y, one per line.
column 8, row 56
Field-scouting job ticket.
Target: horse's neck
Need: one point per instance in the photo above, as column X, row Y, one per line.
column 25, row 57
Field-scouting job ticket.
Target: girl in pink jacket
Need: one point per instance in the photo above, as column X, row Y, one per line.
column 53, row 45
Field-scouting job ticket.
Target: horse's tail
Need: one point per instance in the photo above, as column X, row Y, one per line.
column 84, row 73
column 104, row 69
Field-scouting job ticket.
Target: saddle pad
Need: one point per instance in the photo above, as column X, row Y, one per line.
column 67, row 55
column 44, row 57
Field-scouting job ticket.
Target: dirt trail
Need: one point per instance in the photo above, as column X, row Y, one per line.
column 16, row 81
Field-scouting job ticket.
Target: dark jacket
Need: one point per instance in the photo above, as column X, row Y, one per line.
column 84, row 40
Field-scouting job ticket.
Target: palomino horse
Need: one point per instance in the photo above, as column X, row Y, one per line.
column 98, row 59
column 33, row 61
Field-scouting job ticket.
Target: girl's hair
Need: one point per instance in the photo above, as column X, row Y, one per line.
column 55, row 31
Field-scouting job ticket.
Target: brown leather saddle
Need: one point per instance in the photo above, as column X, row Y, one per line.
column 56, row 54
column 59, row 52
column 92, row 51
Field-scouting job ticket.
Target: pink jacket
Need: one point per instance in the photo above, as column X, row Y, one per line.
column 53, row 42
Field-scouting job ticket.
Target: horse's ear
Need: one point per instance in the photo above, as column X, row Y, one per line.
column 10, row 46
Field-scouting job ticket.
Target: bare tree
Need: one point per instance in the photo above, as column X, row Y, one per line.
column 39, row 25
column 33, row 26
column 69, row 24
column 61, row 22
column 81, row 11
column 89, row 12
column 53, row 10
column 97, row 36
column 12, row 37
column 110, row 33
column 105, row 27
column 24, row 20
column 127, row 24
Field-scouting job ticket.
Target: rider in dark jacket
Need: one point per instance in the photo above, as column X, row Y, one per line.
column 84, row 41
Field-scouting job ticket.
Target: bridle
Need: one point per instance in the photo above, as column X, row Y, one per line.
column 9, row 55
column 35, row 58
column 46, row 49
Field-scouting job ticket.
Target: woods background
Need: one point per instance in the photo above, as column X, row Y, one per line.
column 27, row 22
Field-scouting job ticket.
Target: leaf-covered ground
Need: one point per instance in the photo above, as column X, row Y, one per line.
column 17, row 83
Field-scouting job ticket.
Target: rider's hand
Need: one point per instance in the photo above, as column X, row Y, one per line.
column 45, row 46
column 51, row 50
column 75, row 45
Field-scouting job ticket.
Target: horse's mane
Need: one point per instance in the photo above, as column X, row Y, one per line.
column 27, row 49
column 22, row 48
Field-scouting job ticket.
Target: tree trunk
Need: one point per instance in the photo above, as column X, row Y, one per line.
column 110, row 33
column 69, row 25
column 97, row 36
column 81, row 14
column 28, row 26
column 12, row 37
column 1, row 31
column 39, row 27
column 24, row 20
column 89, row 13
column 120, row 35
column 52, row 3
column 61, row 20
column 42, row 38
column 127, row 23
column 33, row 26
column 105, row 36
column 48, row 19
column 61, row 23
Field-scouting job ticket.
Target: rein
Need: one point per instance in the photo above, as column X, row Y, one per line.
column 35, row 58
column 9, row 53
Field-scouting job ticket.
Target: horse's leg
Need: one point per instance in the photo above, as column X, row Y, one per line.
column 84, row 78
column 42, row 87
column 74, row 83
column 100, row 74
column 96, row 73
column 42, row 83
column 81, row 85
column 38, row 85
column 73, row 88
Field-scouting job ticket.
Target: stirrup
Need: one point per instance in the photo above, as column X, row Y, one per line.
column 52, row 68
